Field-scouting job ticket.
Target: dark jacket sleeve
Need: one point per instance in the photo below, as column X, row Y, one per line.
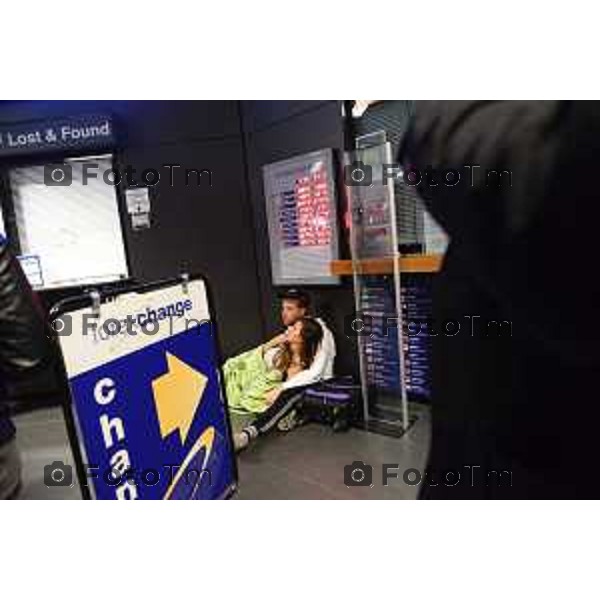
column 24, row 341
column 504, row 152
column 528, row 238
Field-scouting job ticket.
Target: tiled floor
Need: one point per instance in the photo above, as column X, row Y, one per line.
column 307, row 463
column 42, row 439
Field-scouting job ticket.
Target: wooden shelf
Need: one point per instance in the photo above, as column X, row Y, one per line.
column 409, row 263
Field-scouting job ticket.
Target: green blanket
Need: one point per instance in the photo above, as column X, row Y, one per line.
column 248, row 380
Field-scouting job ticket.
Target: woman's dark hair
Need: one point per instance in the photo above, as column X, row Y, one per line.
column 312, row 334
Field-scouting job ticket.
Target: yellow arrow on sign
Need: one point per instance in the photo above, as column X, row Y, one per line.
column 177, row 395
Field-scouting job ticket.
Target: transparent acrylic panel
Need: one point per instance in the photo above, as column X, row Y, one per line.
column 374, row 248
column 370, row 201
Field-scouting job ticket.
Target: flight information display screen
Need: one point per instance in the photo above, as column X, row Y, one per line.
column 302, row 218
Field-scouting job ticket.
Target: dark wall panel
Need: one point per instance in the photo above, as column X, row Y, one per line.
column 259, row 115
column 275, row 131
column 203, row 228
column 151, row 123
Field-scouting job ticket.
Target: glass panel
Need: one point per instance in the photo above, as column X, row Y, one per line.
column 73, row 231
column 370, row 200
column 374, row 247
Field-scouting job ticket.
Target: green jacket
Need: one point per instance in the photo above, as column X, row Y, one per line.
column 248, row 379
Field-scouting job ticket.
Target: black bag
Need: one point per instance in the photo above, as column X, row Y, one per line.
column 333, row 402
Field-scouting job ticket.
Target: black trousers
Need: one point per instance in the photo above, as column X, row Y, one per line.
column 268, row 419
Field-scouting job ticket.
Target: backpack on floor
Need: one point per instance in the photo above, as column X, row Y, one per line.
column 332, row 402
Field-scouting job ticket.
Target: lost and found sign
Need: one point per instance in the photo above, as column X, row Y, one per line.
column 81, row 132
column 147, row 398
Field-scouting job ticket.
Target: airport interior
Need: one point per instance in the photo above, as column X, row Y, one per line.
column 74, row 238
column 196, row 263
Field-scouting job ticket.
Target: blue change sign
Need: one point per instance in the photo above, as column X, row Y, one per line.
column 147, row 398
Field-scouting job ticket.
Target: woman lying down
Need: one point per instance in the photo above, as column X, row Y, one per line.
column 261, row 381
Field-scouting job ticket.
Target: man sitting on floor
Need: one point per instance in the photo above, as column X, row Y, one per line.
column 270, row 397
